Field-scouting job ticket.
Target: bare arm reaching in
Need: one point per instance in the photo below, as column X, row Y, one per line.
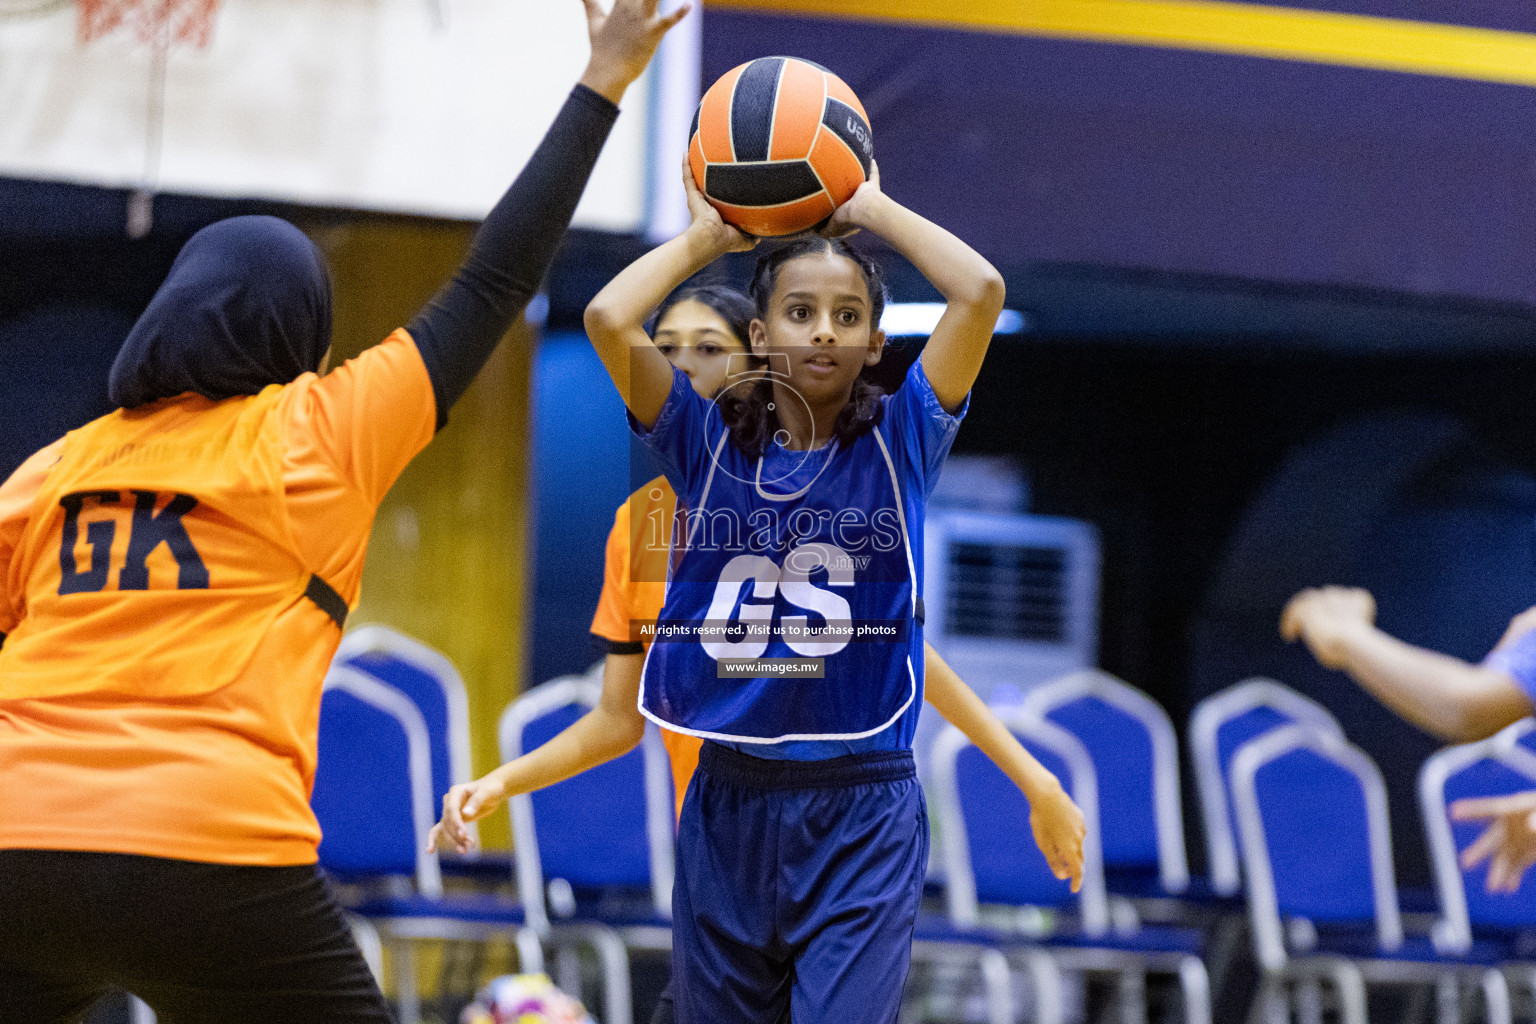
column 1444, row 696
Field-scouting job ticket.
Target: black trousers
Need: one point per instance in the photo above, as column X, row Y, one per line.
column 200, row 943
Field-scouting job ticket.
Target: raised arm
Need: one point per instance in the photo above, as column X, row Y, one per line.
column 610, row 730
column 1055, row 820
column 972, row 287
column 458, row 330
column 615, row 319
column 1444, row 696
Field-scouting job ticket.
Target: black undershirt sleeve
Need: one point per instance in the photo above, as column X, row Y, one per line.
column 602, row 646
column 458, row 330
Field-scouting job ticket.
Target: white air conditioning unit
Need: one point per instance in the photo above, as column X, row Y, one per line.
column 1011, row 600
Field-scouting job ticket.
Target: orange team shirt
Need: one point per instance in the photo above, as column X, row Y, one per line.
column 634, row 588
column 194, row 736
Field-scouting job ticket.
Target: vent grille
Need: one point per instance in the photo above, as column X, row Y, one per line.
column 1006, row 592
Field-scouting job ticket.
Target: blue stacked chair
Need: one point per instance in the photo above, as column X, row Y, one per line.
column 373, row 796
column 1317, row 854
column 1497, row 766
column 594, row 853
column 999, row 886
column 1136, row 756
column 432, row 683
column 1221, row 724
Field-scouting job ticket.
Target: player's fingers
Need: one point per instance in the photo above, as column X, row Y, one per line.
column 1482, row 848
column 1075, row 868
column 437, row 830
column 595, row 14
column 1498, row 874
column 689, row 185
column 1475, row 807
column 481, row 799
column 1290, row 622
column 1056, row 860
column 453, row 822
column 676, row 16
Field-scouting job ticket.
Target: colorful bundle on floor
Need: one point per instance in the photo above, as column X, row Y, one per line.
column 524, row 999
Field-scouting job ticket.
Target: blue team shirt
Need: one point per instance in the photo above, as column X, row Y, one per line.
column 799, row 554
column 1517, row 659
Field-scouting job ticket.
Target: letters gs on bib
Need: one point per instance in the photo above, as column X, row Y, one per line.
column 147, row 530
column 754, row 612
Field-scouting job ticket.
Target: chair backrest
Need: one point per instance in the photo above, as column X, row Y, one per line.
column 989, row 854
column 1136, row 757
column 1221, row 724
column 433, row 684
column 1522, row 735
column 373, row 782
column 610, row 826
column 1496, row 766
column 1316, row 840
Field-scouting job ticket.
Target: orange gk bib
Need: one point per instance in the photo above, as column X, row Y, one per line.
column 157, row 555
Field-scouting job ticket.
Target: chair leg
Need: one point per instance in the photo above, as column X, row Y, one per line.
column 568, row 970
column 614, row 960
column 1133, row 996
column 1195, row 986
column 1309, row 1001
column 530, row 951
column 998, row 980
column 368, row 943
column 1271, row 1004
column 1050, row 1002
column 1350, row 985
column 1496, row 998
column 407, row 995
column 1447, row 1000
column 1523, row 979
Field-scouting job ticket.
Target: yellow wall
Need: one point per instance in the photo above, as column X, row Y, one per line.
column 447, row 560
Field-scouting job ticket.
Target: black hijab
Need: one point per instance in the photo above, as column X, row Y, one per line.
column 246, row 304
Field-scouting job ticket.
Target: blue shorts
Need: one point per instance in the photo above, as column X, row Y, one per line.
column 797, row 888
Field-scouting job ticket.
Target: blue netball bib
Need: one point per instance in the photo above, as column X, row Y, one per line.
column 792, row 611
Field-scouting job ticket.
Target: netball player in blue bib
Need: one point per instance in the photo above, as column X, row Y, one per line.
column 791, row 636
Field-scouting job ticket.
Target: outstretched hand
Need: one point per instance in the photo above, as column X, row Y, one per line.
column 466, row 802
column 1059, row 830
column 623, row 41
column 1321, row 615
column 1509, row 839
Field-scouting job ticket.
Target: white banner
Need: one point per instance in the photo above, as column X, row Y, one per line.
column 407, row 106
